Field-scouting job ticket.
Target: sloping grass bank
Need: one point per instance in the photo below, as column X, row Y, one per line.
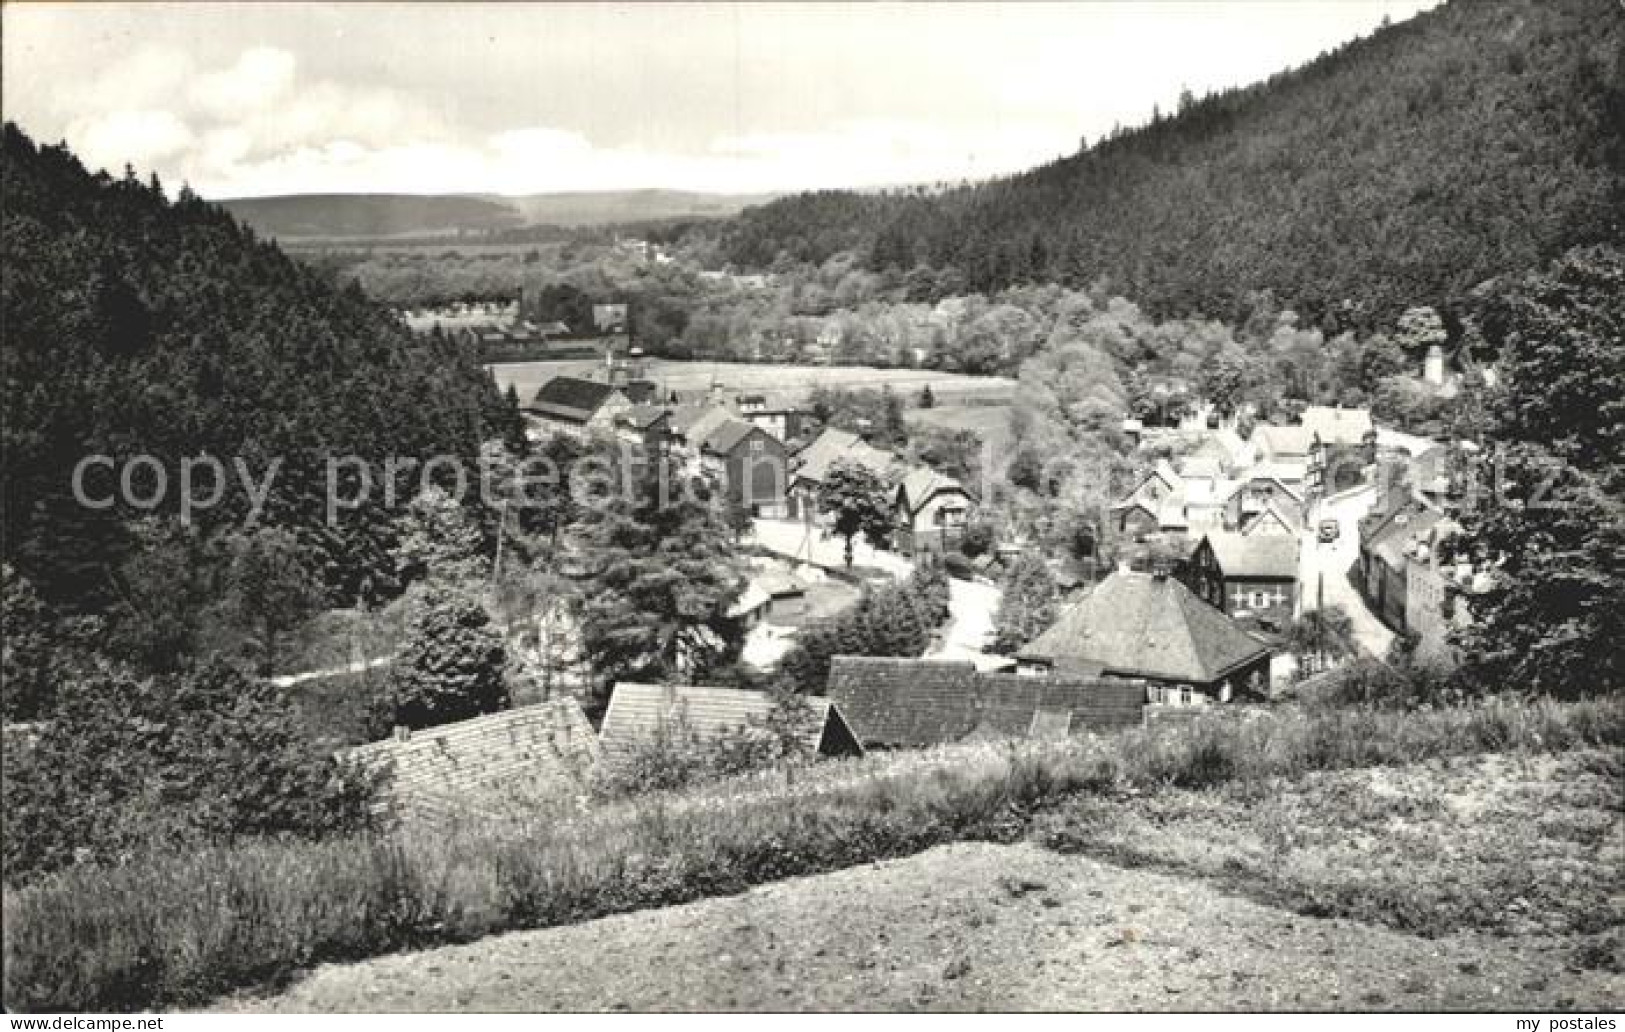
column 177, row 930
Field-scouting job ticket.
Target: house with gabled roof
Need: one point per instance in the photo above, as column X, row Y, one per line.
column 645, row 425
column 750, row 463
column 1251, row 577
column 932, row 510
column 574, row 406
column 810, row 465
column 1287, row 445
column 1275, row 517
column 1155, row 504
column 640, row 715
column 1151, row 627
column 1386, row 535
column 692, row 424
column 1258, row 490
column 914, row 703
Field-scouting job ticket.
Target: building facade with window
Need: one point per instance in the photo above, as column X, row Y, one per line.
column 1252, row 578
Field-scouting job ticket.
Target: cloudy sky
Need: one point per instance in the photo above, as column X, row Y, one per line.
column 240, row 100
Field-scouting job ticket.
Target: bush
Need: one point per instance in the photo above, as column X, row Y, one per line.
column 896, row 620
column 127, row 765
column 678, row 755
column 452, row 665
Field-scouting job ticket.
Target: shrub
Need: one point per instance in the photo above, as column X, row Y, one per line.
column 896, row 620
column 452, row 665
column 678, row 755
column 127, row 764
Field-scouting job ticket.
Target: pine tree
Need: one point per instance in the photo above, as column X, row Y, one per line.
column 451, row 667
column 1028, row 605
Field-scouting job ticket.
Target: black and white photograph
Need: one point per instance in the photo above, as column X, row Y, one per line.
column 1108, row 507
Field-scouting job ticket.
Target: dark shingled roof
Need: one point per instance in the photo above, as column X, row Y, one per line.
column 570, row 398
column 727, row 435
column 922, row 702
column 1139, row 624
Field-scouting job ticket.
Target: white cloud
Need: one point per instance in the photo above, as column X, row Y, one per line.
column 144, row 137
column 245, row 99
column 261, row 76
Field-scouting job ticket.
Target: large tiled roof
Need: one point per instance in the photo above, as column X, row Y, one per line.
column 1139, row 624
column 832, row 446
column 571, row 398
column 462, row 767
column 907, row 702
column 637, row 714
column 922, row 702
column 1258, row 556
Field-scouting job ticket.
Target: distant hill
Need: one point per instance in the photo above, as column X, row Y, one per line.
column 598, row 209
column 392, row 216
column 299, row 216
column 1400, row 169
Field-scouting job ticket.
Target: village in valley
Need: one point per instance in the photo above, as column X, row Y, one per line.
column 1244, row 568
column 552, row 555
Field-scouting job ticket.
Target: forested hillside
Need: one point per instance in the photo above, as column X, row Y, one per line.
column 1401, row 169
column 134, row 326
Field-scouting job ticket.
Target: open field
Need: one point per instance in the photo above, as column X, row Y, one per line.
column 949, row 388
column 990, row 423
column 1192, row 914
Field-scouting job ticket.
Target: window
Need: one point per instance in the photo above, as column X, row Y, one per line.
column 757, row 445
column 1185, row 694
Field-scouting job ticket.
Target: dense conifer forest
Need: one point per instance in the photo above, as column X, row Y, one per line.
column 136, row 325
column 1403, row 168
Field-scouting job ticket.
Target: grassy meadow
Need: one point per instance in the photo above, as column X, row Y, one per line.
column 165, row 931
column 688, row 376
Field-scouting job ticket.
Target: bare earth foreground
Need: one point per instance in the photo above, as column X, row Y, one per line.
column 967, row 927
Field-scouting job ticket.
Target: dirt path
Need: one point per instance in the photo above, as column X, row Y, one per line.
column 966, row 927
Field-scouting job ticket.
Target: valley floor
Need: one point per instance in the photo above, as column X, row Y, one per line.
column 987, row 927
